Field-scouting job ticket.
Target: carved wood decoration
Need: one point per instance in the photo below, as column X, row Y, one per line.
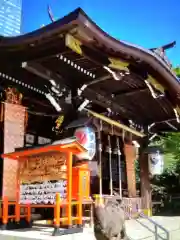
column 13, row 96
column 43, row 168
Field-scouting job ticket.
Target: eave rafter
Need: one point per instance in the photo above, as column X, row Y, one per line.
column 76, row 46
column 42, row 72
column 84, row 49
column 151, row 83
column 80, row 47
column 130, row 93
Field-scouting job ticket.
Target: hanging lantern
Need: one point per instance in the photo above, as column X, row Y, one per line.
column 155, row 161
column 87, row 138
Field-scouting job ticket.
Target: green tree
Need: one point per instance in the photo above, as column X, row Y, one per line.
column 167, row 185
column 177, row 71
column 170, row 143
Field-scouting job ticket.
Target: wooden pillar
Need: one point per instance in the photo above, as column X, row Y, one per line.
column 14, row 128
column 130, row 157
column 69, row 188
column 145, row 184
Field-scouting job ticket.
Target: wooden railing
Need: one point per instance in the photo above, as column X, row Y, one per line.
column 68, row 219
column 132, row 206
column 6, row 216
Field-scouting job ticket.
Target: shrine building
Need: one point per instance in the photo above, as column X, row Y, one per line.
column 71, row 79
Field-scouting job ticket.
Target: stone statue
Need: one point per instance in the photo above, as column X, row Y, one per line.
column 109, row 220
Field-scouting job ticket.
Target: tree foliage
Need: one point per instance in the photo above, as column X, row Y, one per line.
column 167, row 185
column 177, row 71
column 170, row 143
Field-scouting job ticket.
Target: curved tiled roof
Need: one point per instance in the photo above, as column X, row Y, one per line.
column 96, row 50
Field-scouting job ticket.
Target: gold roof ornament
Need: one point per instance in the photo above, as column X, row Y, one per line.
column 118, row 64
column 74, row 44
column 155, row 84
column 13, row 96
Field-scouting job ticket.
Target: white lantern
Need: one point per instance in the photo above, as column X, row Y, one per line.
column 87, row 138
column 156, row 162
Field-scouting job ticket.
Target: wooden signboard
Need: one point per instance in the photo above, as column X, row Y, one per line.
column 41, row 177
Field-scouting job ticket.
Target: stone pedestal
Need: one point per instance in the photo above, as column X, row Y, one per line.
column 14, row 119
column 130, row 157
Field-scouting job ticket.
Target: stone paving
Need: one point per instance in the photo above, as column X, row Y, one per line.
column 143, row 229
column 44, row 233
column 136, row 230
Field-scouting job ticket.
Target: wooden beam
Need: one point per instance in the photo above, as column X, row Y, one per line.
column 73, row 147
column 43, row 72
column 129, row 93
column 107, row 102
column 115, row 123
column 27, row 100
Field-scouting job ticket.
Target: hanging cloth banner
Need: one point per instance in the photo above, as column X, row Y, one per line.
column 115, row 123
column 74, row 44
column 118, row 64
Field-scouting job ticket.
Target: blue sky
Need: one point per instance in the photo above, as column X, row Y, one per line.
column 148, row 23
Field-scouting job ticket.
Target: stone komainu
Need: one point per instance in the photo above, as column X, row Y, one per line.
column 109, row 222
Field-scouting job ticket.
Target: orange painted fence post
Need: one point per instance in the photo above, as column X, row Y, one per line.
column 17, row 212
column 17, row 203
column 5, row 210
column 80, row 212
column 69, row 188
column 80, row 206
column 1, row 212
column 28, row 217
column 57, row 211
